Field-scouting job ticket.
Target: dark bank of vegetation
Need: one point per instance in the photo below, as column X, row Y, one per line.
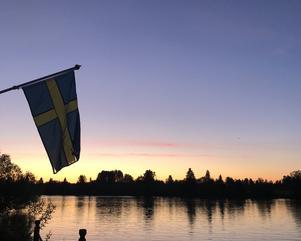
column 117, row 183
column 20, row 204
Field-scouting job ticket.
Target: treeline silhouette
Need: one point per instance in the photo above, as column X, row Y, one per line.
column 116, row 183
column 20, row 203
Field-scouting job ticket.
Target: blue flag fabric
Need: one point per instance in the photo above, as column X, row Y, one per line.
column 53, row 105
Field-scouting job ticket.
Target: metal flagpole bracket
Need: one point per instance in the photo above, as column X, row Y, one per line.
column 15, row 87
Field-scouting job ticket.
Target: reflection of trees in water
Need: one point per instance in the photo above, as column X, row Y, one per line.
column 294, row 206
column 89, row 205
column 235, row 207
column 148, row 206
column 80, row 201
column 83, row 206
column 80, row 206
column 210, row 209
column 190, row 205
column 206, row 206
column 221, row 208
column 108, row 206
column 63, row 205
column 170, row 203
column 265, row 207
column 127, row 206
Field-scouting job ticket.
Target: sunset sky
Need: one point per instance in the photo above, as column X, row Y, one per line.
column 164, row 85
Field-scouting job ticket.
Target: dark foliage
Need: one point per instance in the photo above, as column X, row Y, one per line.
column 19, row 202
column 115, row 183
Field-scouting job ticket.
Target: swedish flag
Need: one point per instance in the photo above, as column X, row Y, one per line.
column 53, row 105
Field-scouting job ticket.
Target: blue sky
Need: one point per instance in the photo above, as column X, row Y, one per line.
column 165, row 85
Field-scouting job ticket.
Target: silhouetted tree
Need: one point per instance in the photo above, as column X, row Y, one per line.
column 41, row 181
column 259, row 180
column 118, row 176
column 229, row 180
column 220, row 180
column 207, row 176
column 296, row 175
column 110, row 176
column 102, row 177
column 149, row 176
column 292, row 183
column 128, row 178
column 293, row 177
column 82, row 179
column 9, row 172
column 29, row 178
column 139, row 179
column 169, row 180
column 190, row 178
column 246, row 181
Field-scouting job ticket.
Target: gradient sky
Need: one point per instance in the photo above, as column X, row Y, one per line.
column 164, row 85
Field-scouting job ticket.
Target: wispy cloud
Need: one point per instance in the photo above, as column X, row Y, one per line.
column 145, row 154
column 139, row 143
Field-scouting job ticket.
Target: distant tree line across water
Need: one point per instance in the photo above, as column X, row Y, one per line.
column 116, row 183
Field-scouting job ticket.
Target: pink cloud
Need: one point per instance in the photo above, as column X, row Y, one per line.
column 138, row 143
column 145, row 154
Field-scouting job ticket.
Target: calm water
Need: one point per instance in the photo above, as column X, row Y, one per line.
column 130, row 218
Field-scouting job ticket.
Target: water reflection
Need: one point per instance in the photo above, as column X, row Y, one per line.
column 221, row 207
column 190, row 205
column 63, row 205
column 294, row 206
column 80, row 207
column 108, row 207
column 148, row 208
column 235, row 207
column 265, row 207
column 210, row 208
column 157, row 218
column 80, row 202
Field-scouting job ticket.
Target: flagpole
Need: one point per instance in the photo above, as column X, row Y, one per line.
column 76, row 67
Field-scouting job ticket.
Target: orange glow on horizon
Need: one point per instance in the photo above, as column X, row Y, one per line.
column 135, row 165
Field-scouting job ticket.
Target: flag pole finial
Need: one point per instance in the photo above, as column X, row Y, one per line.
column 77, row 67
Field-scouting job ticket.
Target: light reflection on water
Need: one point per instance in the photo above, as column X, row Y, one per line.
column 131, row 218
